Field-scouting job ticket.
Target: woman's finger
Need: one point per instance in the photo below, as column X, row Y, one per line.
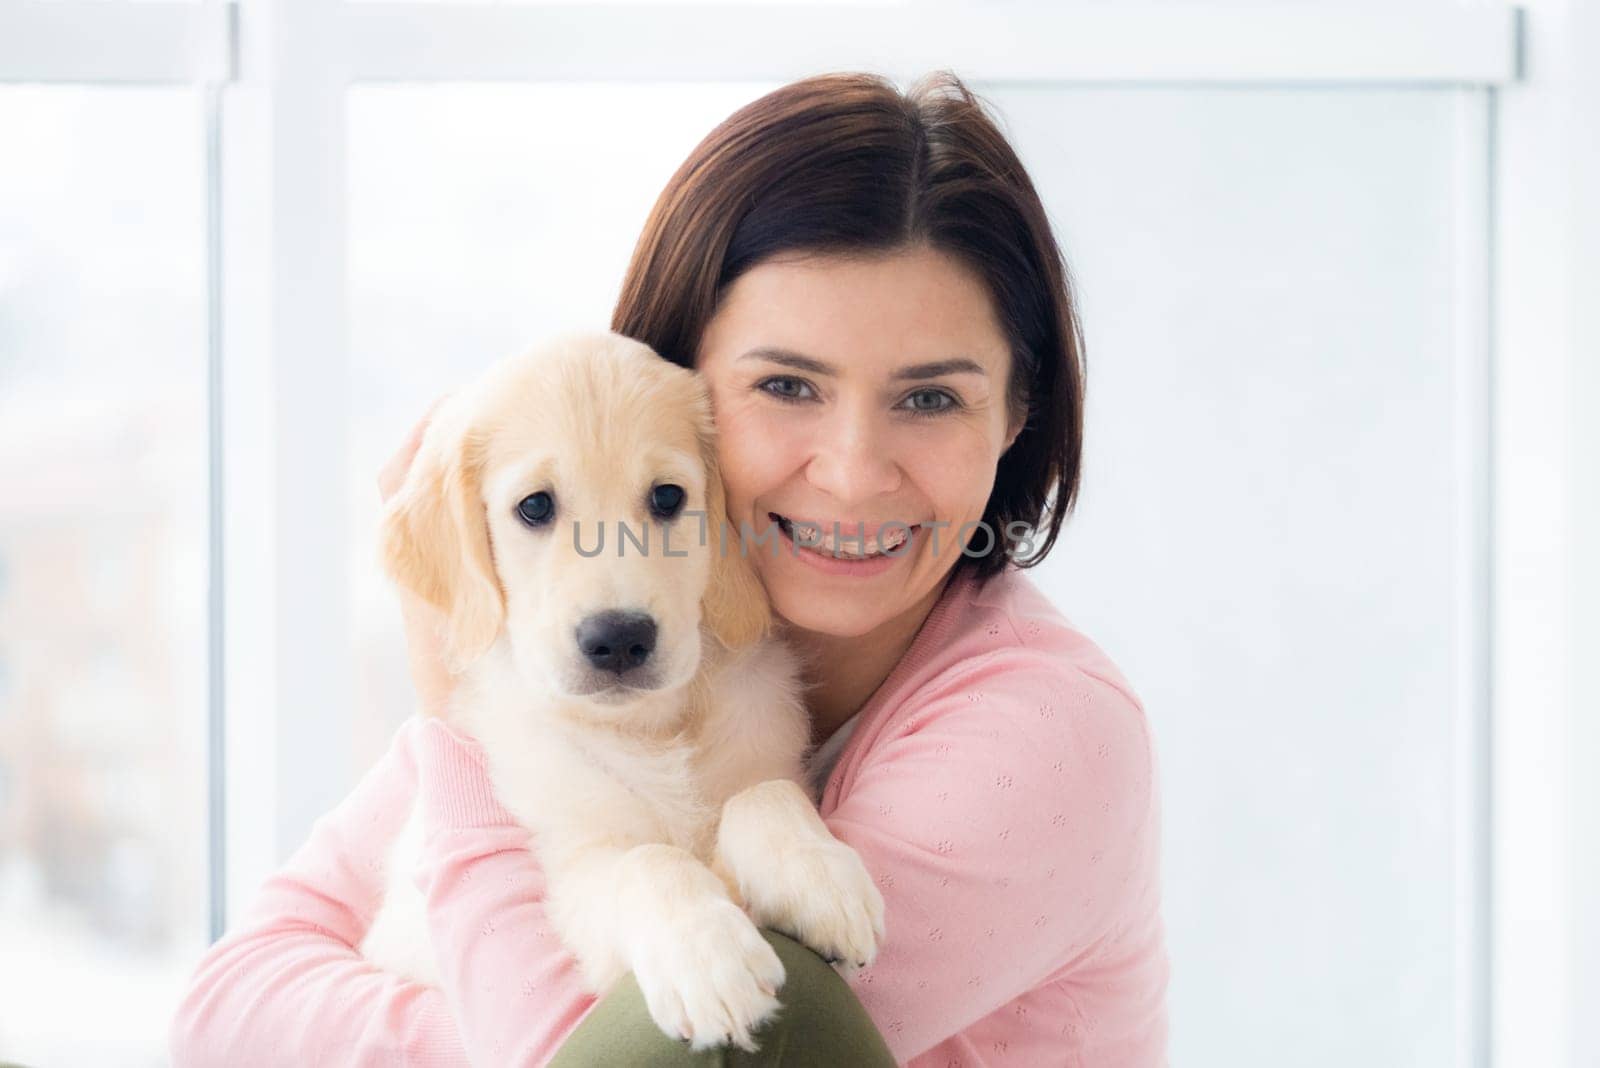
column 393, row 473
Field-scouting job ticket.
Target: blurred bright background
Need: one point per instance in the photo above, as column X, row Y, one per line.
column 1336, row 265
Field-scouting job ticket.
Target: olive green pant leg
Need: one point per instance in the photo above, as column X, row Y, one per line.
column 821, row 1025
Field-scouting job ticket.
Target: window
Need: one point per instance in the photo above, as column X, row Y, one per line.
column 103, row 565
column 262, row 297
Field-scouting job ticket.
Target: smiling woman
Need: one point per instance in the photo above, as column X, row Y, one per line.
column 868, row 283
column 891, row 340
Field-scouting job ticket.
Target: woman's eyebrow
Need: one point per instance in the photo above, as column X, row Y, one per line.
column 956, row 365
column 916, row 372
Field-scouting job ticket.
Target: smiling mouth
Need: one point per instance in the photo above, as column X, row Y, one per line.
column 812, row 537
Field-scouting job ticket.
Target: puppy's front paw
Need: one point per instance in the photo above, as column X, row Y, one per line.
column 822, row 895
column 708, row 976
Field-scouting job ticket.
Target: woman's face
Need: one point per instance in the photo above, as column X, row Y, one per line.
column 857, row 391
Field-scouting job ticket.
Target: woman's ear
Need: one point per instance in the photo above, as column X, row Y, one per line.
column 435, row 539
column 735, row 606
column 1017, row 423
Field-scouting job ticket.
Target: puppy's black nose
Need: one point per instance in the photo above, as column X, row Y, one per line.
column 617, row 641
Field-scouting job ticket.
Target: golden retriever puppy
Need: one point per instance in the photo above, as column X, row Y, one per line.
column 636, row 714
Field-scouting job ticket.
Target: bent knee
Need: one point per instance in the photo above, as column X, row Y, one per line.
column 821, row 1022
column 811, row 986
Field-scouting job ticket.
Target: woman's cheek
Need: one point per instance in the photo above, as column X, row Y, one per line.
column 956, row 471
column 754, row 456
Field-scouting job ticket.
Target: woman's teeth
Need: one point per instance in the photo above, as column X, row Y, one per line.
column 809, row 536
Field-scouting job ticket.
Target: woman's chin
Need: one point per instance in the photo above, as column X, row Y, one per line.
column 840, row 616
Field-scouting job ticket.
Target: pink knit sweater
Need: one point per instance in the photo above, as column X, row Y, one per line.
column 1000, row 785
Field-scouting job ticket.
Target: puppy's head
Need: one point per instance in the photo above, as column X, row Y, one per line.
column 569, row 503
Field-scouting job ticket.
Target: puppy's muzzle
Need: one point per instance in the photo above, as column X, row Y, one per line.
column 617, row 642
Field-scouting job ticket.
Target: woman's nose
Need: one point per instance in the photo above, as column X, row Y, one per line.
column 854, row 463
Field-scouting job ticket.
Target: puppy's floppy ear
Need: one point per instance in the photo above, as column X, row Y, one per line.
column 735, row 605
column 435, row 539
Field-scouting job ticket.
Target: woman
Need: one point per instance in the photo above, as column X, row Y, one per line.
column 869, row 283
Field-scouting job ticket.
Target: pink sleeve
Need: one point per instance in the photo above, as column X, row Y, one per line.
column 287, row 985
column 514, row 988
column 1001, row 822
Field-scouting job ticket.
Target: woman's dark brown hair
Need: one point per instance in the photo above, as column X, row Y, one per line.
column 845, row 164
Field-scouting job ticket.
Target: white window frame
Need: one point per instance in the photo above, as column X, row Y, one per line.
column 273, row 74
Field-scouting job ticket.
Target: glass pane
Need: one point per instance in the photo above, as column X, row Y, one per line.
column 482, row 218
column 1268, row 539
column 103, row 903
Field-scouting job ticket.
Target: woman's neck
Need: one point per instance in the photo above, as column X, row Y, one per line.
column 842, row 673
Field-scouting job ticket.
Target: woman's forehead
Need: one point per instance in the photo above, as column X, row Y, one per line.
column 878, row 316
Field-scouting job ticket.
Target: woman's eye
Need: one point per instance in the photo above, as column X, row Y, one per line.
column 666, row 501
column 788, row 390
column 937, row 401
column 537, row 509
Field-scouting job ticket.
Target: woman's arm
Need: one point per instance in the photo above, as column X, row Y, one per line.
column 288, row 986
column 514, row 988
column 1011, row 827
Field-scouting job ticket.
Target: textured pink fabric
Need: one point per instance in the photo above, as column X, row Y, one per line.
column 1000, row 785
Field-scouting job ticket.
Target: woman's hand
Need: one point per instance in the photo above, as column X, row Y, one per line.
column 432, row 680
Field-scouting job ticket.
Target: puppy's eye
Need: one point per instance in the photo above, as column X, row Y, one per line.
column 537, row 509
column 666, row 501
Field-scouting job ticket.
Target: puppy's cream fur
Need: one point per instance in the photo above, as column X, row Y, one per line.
column 670, row 821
